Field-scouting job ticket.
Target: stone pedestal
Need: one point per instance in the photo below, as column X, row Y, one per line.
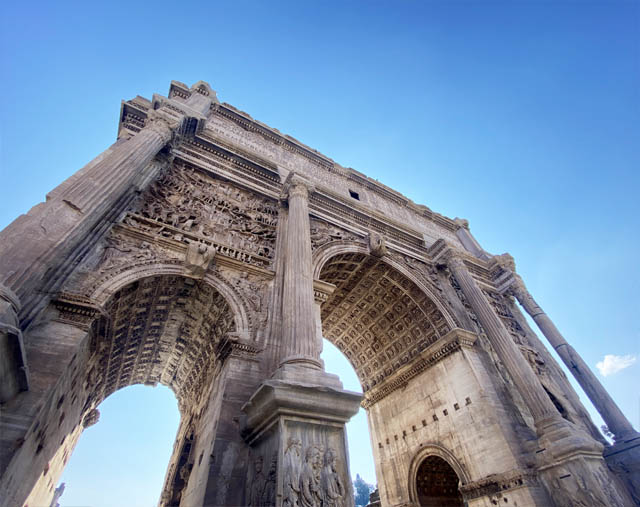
column 299, row 456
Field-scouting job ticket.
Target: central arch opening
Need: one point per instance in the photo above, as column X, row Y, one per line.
column 377, row 316
column 380, row 318
column 437, row 484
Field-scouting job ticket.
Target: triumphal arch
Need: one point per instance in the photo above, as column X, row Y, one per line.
column 209, row 252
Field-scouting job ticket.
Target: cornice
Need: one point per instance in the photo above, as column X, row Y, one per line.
column 499, row 483
column 75, row 309
column 133, row 114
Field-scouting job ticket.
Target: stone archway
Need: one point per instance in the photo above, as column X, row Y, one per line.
column 167, row 329
column 377, row 316
column 437, row 484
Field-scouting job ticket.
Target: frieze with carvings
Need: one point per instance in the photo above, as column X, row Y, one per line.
column 311, row 477
column 190, row 203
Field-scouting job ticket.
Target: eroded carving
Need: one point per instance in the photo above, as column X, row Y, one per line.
column 322, row 233
column 377, row 245
column 198, row 258
column 310, row 478
column 292, row 464
column 185, row 202
column 332, row 485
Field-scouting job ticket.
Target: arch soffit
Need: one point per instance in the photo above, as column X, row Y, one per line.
column 324, row 253
column 134, row 272
column 433, row 449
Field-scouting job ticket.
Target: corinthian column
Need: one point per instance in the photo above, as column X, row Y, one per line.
column 529, row 387
column 617, row 423
column 299, row 340
column 37, row 248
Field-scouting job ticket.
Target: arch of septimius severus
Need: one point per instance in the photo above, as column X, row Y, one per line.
column 209, row 252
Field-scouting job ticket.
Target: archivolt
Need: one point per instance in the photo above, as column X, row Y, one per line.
column 142, row 270
column 380, row 315
column 322, row 255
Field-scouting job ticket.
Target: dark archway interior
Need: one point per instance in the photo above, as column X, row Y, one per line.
column 376, row 316
column 437, row 484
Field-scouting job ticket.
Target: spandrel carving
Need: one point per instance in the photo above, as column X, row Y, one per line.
column 322, row 233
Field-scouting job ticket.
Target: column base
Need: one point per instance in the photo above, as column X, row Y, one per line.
column 623, row 459
column 572, row 468
column 305, row 372
column 558, row 439
column 298, row 444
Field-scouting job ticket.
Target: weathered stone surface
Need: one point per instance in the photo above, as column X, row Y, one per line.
column 208, row 252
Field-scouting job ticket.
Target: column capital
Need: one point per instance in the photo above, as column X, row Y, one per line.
column 161, row 124
column 296, row 186
column 518, row 288
column 451, row 258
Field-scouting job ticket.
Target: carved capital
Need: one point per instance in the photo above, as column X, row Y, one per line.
column 295, row 186
column 161, row 124
column 506, row 262
column 518, row 288
column 453, row 260
column 462, row 223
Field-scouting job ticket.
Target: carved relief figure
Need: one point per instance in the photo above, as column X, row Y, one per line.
column 186, row 201
column 310, row 478
column 257, row 484
column 332, row 485
column 323, row 233
column 269, row 493
column 292, row 462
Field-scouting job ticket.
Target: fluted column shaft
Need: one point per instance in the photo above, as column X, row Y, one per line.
column 118, row 168
column 530, row 388
column 35, row 244
column 616, row 421
column 299, row 326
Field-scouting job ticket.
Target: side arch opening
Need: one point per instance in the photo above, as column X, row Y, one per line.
column 163, row 329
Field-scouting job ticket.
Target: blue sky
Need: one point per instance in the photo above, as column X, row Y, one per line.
column 522, row 117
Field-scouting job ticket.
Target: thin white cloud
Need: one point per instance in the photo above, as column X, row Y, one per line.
column 613, row 364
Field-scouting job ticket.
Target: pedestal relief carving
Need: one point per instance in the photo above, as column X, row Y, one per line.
column 292, row 469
